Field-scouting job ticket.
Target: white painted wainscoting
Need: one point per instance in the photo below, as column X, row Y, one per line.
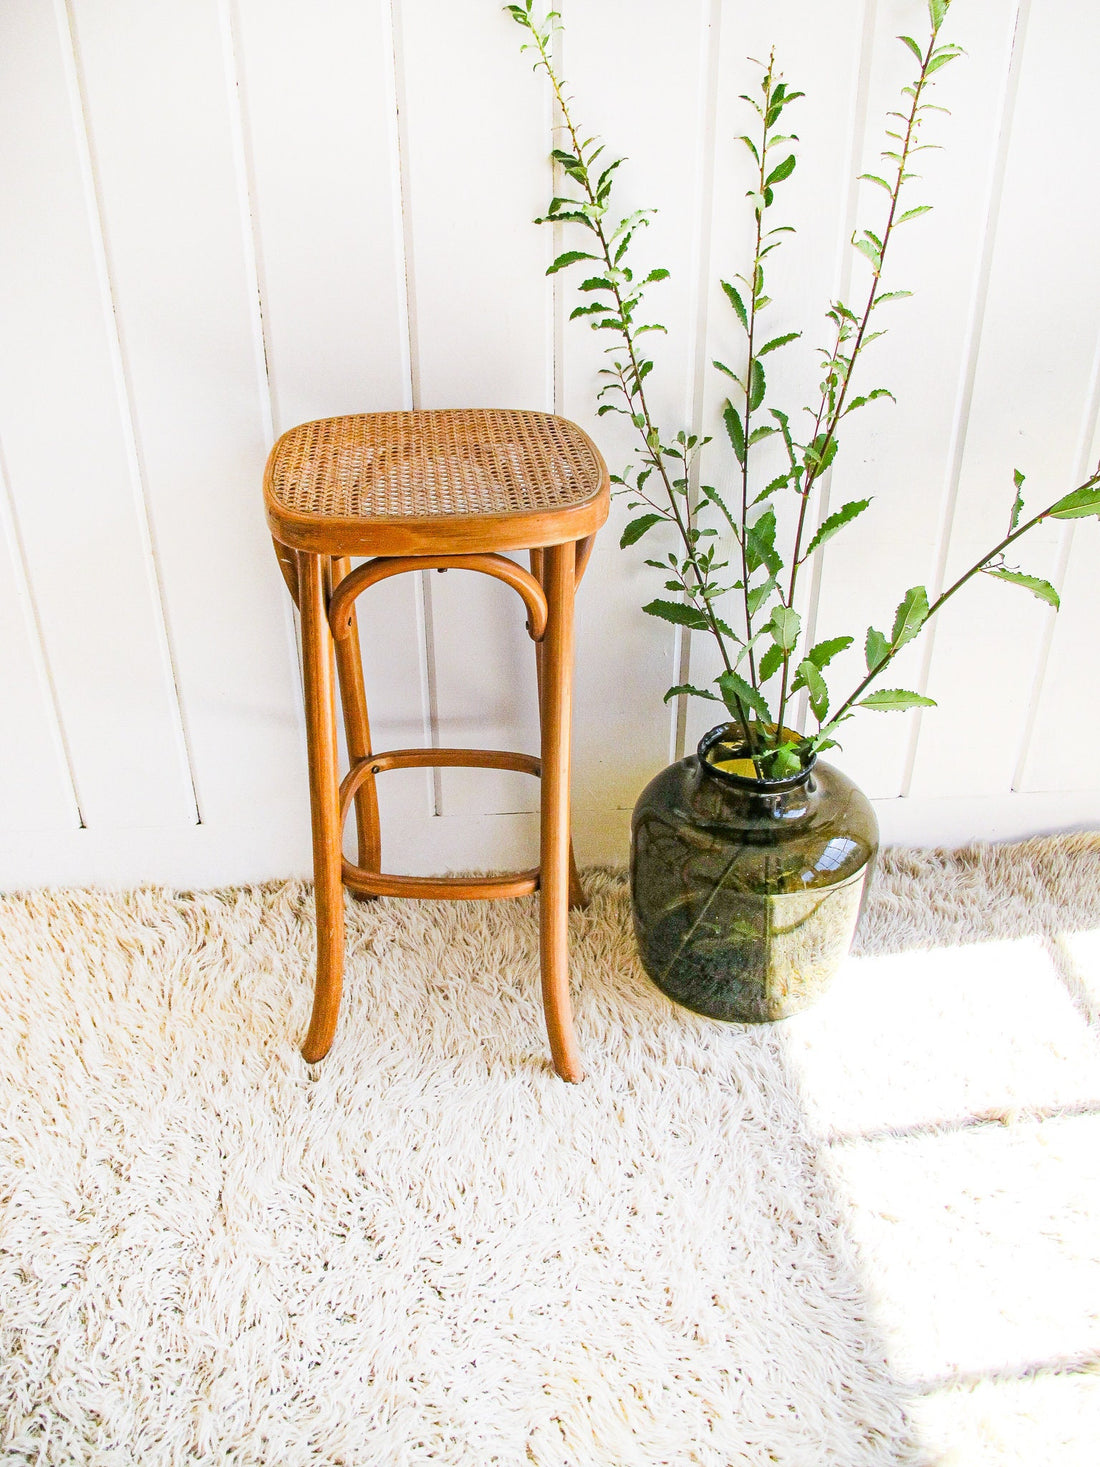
column 224, row 217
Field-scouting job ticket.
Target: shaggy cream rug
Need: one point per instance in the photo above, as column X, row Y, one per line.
column 868, row 1235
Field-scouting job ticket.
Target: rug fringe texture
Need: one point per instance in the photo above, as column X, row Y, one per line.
column 428, row 1249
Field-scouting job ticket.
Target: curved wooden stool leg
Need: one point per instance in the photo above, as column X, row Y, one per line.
column 556, row 718
column 317, row 660
column 578, row 898
column 353, row 696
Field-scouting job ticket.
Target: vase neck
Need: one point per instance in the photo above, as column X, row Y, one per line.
column 724, row 757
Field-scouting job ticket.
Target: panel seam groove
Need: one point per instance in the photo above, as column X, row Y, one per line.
column 25, row 593
column 252, row 241
column 89, row 176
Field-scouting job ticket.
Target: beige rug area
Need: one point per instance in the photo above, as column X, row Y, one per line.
column 869, row 1235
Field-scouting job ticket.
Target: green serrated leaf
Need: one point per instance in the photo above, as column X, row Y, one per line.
column 858, row 402
column 691, row 691
column 734, row 298
column 679, row 613
column 760, row 544
column 781, row 171
column 820, row 453
column 824, row 652
column 809, row 676
column 830, row 526
column 637, row 528
column 888, row 700
column 865, row 247
column 913, row 213
column 916, row 50
column 1018, row 502
column 769, row 664
column 909, row 617
column 784, row 627
column 780, row 482
column 756, row 385
column 744, row 138
column 778, row 341
column 732, row 419
column 759, row 594
column 1035, row 584
column 877, row 648
column 874, row 178
column 736, row 690
column 570, row 257
column 1082, row 502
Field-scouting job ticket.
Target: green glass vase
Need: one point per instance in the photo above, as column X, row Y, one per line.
column 747, row 892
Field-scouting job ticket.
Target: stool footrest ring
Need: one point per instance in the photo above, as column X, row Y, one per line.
column 446, row 888
column 452, row 888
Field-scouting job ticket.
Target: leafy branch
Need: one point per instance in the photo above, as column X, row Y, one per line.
column 839, row 364
column 617, row 300
column 768, row 642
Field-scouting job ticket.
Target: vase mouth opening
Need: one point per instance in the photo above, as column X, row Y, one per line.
column 724, row 756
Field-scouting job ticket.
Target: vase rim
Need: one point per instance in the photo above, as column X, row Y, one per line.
column 730, row 733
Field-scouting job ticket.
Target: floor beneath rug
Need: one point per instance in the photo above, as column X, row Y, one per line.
column 867, row 1235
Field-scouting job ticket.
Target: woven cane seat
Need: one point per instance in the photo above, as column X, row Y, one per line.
column 417, row 483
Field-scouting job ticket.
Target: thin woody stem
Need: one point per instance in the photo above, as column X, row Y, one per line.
column 837, row 411
column 654, row 455
column 743, row 540
column 945, row 596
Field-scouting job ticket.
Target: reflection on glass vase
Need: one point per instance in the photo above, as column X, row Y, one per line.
column 747, row 892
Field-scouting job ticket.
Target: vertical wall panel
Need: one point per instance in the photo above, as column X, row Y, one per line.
column 476, row 139
column 73, row 479
column 162, row 129
column 321, row 142
column 901, row 455
column 818, row 52
column 1031, row 396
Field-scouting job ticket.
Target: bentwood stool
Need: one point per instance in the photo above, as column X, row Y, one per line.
column 419, row 491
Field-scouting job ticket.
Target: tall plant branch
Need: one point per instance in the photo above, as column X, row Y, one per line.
column 632, row 386
column 1080, row 502
column 754, row 290
column 831, row 408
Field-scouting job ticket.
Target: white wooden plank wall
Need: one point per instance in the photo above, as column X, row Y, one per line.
column 227, row 217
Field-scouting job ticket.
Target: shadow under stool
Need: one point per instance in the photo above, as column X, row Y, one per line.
column 420, row 491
